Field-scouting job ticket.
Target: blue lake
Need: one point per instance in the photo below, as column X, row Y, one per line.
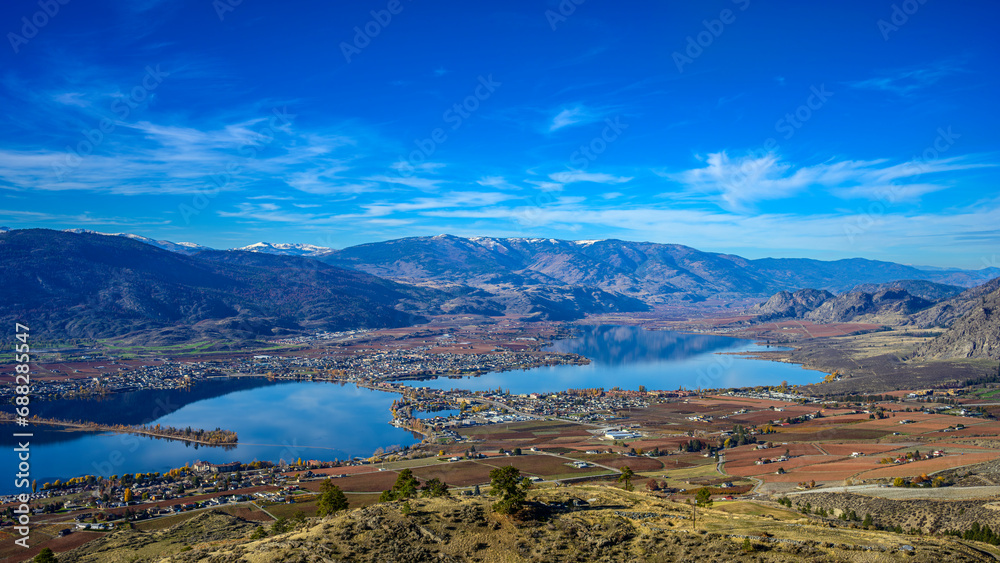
column 316, row 420
column 628, row 356
column 277, row 421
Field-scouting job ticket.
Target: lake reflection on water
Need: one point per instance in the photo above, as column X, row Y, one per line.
column 275, row 421
column 629, row 356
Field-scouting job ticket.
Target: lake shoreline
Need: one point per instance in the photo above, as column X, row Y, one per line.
column 277, row 418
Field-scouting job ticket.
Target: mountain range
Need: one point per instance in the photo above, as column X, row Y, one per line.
column 86, row 284
column 971, row 319
column 929, row 304
column 973, row 334
column 79, row 285
column 619, row 264
column 652, row 272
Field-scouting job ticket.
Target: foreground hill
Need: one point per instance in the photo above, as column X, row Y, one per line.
column 70, row 285
column 611, row 525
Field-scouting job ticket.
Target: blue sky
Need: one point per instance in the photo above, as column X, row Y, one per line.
column 823, row 130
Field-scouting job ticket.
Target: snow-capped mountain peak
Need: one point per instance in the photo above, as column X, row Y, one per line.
column 285, row 249
column 179, row 247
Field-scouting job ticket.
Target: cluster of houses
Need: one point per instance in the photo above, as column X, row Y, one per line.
column 322, row 336
column 206, row 467
column 903, row 459
column 167, row 375
column 376, row 365
column 765, row 461
column 601, row 406
column 366, row 366
column 774, row 395
column 570, row 404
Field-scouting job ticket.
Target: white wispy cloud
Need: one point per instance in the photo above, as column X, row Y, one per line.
column 269, row 213
column 571, row 176
column 570, row 116
column 909, row 80
column 408, row 167
column 409, row 181
column 545, row 185
column 737, row 184
column 60, row 220
column 156, row 158
column 326, row 181
column 451, row 200
column 498, row 182
column 77, row 99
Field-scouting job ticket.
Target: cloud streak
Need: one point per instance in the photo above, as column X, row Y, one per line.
column 738, row 184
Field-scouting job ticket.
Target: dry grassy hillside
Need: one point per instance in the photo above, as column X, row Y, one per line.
column 603, row 524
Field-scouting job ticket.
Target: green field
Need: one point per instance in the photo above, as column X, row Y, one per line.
column 186, row 348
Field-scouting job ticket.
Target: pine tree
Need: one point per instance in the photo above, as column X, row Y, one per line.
column 45, row 556
column 435, row 488
column 506, row 482
column 626, row 477
column 331, row 500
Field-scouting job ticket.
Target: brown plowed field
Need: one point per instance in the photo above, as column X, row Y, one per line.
column 926, row 466
column 361, row 482
column 747, row 468
column 868, row 449
column 458, row 474
column 541, row 465
column 789, row 434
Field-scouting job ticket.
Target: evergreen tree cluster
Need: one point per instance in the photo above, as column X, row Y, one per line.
column 977, row 532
